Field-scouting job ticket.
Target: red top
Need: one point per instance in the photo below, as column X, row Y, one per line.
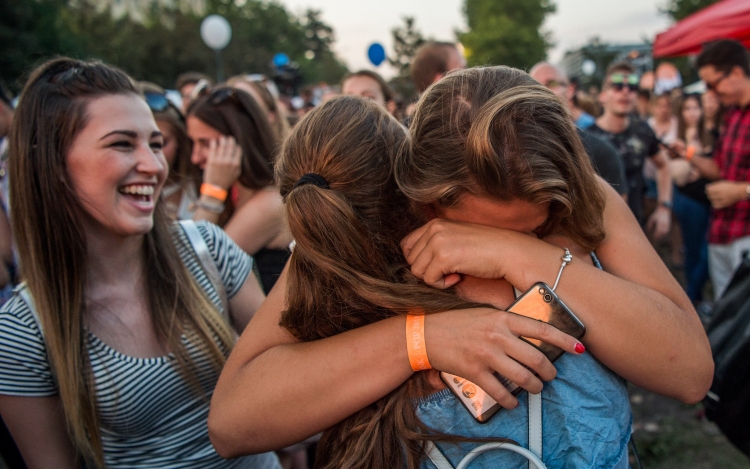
column 732, row 155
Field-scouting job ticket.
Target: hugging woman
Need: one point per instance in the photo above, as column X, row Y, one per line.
column 495, row 165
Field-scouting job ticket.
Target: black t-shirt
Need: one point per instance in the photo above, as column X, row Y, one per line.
column 605, row 160
column 634, row 144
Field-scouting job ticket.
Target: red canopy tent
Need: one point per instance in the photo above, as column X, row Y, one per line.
column 728, row 19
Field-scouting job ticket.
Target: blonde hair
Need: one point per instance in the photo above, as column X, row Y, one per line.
column 496, row 132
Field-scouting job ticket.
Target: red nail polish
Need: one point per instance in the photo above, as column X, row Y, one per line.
column 579, row 348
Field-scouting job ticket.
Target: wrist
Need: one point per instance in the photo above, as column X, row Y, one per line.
column 215, row 191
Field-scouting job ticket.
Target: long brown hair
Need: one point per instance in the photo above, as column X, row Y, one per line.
column 347, row 269
column 52, row 246
column 496, row 132
column 234, row 112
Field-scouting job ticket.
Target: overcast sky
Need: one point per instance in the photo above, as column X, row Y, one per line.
column 359, row 23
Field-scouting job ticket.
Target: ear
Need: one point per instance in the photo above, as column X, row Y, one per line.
column 437, row 77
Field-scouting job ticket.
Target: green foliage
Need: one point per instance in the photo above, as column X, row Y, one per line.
column 163, row 41
column 679, row 9
column 406, row 40
column 506, row 32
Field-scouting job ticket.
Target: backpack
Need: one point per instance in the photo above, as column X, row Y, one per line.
column 728, row 402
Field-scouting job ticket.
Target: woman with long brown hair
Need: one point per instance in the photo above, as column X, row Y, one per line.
column 110, row 351
column 235, row 145
column 496, row 158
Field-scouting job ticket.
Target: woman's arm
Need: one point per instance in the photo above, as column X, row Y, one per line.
column 639, row 322
column 275, row 391
column 246, row 302
column 259, row 222
column 38, row 427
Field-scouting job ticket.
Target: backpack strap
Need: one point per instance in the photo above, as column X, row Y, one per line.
column 200, row 248
column 535, row 423
column 441, row 462
column 23, row 292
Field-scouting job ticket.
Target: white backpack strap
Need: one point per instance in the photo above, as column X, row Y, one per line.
column 440, row 461
column 535, row 424
column 209, row 265
column 437, row 457
column 23, row 292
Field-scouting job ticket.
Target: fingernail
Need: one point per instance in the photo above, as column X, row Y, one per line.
column 579, row 348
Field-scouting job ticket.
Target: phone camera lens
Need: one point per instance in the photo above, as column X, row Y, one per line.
column 547, row 298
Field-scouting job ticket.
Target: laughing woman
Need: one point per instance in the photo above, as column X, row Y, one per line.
column 110, row 353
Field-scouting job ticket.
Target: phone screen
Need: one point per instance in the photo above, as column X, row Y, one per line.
column 539, row 303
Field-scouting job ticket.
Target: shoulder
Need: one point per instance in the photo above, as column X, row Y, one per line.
column 17, row 318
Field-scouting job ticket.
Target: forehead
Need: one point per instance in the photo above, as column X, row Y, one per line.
column 708, row 72
column 360, row 83
column 517, row 215
column 545, row 73
column 120, row 112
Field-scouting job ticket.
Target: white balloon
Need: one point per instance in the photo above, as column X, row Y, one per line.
column 216, row 32
column 588, row 67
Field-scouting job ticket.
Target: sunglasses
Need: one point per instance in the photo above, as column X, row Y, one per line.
column 221, row 95
column 620, row 81
column 159, row 102
column 714, row 85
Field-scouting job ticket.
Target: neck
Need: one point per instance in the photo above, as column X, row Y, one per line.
column 611, row 122
column 112, row 258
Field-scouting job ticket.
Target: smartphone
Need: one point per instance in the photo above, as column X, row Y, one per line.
column 539, row 303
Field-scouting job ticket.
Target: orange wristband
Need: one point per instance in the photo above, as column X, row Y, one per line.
column 415, row 345
column 213, row 191
column 690, row 152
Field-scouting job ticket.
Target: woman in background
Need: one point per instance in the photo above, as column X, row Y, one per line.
column 235, row 146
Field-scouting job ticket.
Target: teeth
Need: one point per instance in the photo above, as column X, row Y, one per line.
column 138, row 190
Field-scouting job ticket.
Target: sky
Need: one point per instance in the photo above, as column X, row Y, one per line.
column 359, row 23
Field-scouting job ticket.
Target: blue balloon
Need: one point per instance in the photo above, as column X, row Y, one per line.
column 280, row 59
column 376, row 53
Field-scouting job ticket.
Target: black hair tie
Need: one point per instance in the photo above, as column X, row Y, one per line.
column 312, row 178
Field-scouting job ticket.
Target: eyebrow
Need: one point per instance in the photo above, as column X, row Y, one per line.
column 130, row 134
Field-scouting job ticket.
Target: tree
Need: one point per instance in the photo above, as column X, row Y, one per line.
column 506, row 32
column 679, row 9
column 406, row 40
column 162, row 40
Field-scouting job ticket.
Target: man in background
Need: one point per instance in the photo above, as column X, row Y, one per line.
column 635, row 142
column 603, row 156
column 432, row 61
column 723, row 66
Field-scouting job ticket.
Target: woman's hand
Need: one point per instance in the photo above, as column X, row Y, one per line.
column 476, row 343
column 440, row 250
column 224, row 162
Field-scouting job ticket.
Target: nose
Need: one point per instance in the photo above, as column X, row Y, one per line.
column 150, row 161
column 196, row 157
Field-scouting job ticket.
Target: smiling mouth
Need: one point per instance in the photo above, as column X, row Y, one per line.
column 138, row 192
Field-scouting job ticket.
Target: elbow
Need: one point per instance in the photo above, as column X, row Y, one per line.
column 228, row 439
column 698, row 385
column 221, row 436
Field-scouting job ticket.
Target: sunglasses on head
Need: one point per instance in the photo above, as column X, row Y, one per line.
column 221, row 95
column 159, row 102
column 619, row 81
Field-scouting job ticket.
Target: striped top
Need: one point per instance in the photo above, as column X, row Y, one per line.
column 149, row 415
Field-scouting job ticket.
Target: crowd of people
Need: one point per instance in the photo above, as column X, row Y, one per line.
column 226, row 281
